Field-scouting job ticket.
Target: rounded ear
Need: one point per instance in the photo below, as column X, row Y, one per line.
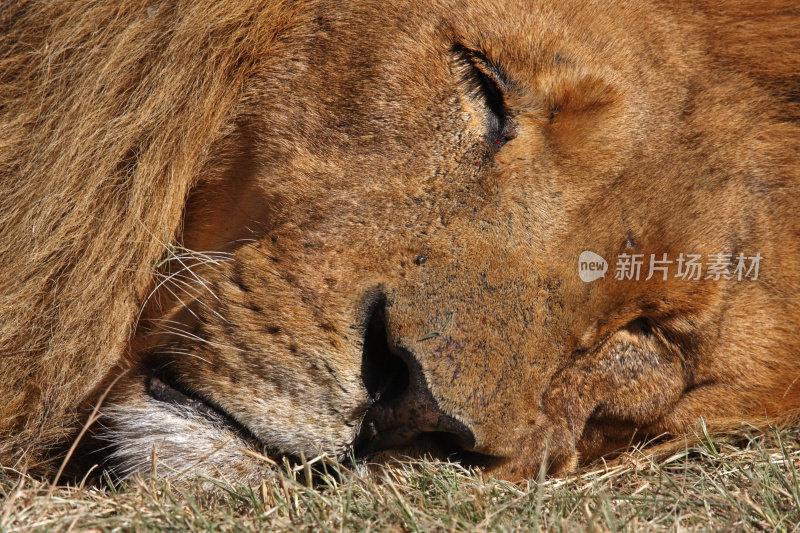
column 586, row 123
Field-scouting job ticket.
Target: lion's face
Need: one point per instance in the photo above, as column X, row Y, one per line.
column 386, row 258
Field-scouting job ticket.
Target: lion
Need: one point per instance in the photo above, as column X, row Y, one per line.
column 233, row 230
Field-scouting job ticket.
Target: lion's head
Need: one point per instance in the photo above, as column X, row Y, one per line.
column 289, row 228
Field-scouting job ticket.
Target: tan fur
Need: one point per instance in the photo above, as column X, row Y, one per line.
column 223, row 190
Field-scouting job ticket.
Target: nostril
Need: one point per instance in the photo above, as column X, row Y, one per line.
column 385, row 374
column 402, row 406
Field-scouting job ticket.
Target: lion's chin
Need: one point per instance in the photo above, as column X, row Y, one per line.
column 164, row 430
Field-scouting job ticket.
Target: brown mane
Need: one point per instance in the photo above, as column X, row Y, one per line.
column 110, row 112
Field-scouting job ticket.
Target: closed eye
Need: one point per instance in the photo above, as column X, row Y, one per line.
column 485, row 81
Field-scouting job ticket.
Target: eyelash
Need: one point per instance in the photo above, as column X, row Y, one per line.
column 484, row 78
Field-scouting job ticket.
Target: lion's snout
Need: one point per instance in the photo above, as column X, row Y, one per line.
column 403, row 412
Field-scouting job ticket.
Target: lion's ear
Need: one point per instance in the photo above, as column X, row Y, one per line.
column 585, row 124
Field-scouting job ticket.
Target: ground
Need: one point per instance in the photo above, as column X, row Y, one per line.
column 731, row 484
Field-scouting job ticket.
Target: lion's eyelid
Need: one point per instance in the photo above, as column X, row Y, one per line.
column 487, row 79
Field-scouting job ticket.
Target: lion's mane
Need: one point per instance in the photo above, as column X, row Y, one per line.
column 109, row 112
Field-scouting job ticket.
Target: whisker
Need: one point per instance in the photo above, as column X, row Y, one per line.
column 181, row 352
column 191, row 336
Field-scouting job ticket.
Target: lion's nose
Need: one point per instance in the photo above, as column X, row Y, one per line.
column 402, row 406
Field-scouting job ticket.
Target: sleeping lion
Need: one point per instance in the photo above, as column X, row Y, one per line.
column 520, row 234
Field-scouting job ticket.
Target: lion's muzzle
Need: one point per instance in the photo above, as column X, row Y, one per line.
column 402, row 407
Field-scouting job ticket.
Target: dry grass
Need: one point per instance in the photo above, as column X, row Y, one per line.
column 749, row 483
